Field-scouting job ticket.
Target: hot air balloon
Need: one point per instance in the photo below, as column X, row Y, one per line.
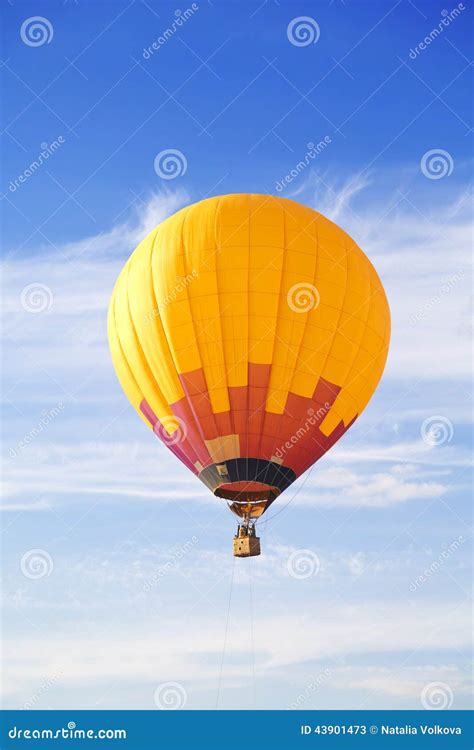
column 249, row 332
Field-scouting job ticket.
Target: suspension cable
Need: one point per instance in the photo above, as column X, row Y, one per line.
column 251, row 634
column 225, row 633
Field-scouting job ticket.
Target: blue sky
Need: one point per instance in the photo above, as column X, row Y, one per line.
column 117, row 563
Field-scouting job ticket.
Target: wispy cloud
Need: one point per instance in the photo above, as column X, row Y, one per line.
column 61, row 355
column 424, row 259
column 123, row 470
column 169, row 651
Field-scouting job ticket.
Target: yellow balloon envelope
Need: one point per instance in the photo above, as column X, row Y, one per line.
column 249, row 332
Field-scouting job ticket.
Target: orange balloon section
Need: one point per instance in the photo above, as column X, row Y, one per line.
column 249, row 332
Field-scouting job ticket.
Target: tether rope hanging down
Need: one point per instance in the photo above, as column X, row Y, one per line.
column 225, row 633
column 252, row 648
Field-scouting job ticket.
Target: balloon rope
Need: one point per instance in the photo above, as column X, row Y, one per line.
column 225, row 634
column 251, row 634
column 262, row 525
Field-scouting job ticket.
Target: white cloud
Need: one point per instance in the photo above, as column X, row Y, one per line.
column 164, row 649
column 424, row 259
column 120, row 470
column 400, row 682
column 424, row 264
column 379, row 490
column 63, row 354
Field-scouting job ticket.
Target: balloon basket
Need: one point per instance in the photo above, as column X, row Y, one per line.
column 246, row 543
